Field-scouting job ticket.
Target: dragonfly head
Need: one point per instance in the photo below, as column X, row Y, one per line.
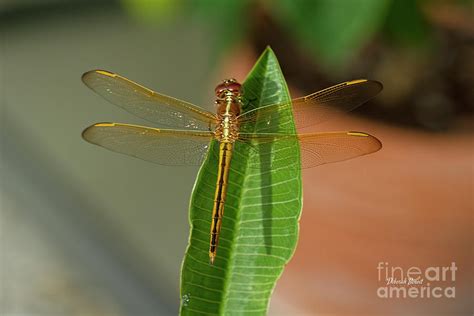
column 229, row 87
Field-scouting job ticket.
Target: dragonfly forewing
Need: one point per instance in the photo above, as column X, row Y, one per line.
column 148, row 104
column 312, row 109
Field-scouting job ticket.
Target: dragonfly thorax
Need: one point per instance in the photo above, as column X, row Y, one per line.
column 228, row 104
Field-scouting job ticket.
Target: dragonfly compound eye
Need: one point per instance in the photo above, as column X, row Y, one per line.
column 228, row 85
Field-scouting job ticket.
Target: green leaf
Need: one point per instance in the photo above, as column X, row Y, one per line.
column 334, row 30
column 260, row 225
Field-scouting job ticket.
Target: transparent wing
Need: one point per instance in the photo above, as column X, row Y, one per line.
column 148, row 104
column 161, row 146
column 315, row 148
column 314, row 108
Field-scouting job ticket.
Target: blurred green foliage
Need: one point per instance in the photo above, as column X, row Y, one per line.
column 151, row 10
column 406, row 25
column 333, row 31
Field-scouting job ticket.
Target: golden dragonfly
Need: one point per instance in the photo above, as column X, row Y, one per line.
column 190, row 128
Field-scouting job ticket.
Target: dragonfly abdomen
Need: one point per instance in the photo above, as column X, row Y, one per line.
column 225, row 156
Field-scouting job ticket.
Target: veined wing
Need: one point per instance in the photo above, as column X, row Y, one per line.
column 314, row 108
column 161, row 146
column 315, row 148
column 148, row 104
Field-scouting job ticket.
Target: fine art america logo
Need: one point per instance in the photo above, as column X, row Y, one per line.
column 416, row 282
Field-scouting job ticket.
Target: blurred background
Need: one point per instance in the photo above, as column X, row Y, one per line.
column 85, row 231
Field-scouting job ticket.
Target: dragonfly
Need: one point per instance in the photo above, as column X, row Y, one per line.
column 190, row 129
